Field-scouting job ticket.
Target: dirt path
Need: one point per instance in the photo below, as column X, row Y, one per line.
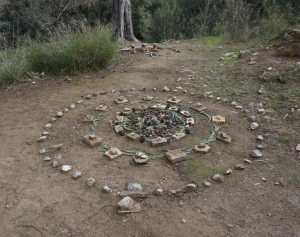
column 244, row 205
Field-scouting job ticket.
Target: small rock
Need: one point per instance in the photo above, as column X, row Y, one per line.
column 47, row 158
column 124, row 90
column 229, row 171
column 256, row 154
column 183, row 220
column 121, row 98
column 143, row 89
column 45, row 133
column 247, row 161
column 261, row 91
column 72, row 106
column 55, row 164
column 133, row 89
column 53, row 120
column 252, row 118
column 77, row 175
column 234, row 103
column 225, row 100
column 211, row 96
column 238, row 107
column 260, row 138
column 264, row 179
column 252, row 63
column 158, row 192
column 259, row 147
column 42, row 139
column 246, row 111
column 126, row 203
column 79, row 101
column 254, row 125
column 218, row 98
column 103, row 92
column 59, row 114
column 88, row 97
column 66, row 168
column 218, row 178
column 191, row 187
column 166, row 88
column 134, row 187
column 298, row 148
column 107, row 189
column 154, row 89
column 230, row 226
column 66, row 110
column 206, row 184
column 48, row 126
column 42, row 151
column 239, row 167
column 91, row 182
column 261, row 111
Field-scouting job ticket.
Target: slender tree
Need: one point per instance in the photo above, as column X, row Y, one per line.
column 122, row 20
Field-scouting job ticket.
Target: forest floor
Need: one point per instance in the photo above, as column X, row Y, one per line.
column 243, row 205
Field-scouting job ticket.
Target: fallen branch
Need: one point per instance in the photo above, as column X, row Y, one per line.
column 98, row 212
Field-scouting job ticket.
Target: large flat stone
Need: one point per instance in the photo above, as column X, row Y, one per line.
column 176, row 156
column 121, row 102
column 113, row 153
column 133, row 136
column 178, row 136
column 156, row 143
column 89, row 119
column 92, row 142
column 202, row 149
column 215, row 120
column 224, row 137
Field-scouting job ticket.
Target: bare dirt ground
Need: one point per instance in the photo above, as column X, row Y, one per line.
column 244, row 205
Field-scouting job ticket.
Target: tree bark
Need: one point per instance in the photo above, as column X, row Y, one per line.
column 122, row 20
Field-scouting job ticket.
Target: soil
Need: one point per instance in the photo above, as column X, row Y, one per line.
column 244, row 205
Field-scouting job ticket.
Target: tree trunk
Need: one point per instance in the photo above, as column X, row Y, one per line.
column 122, row 20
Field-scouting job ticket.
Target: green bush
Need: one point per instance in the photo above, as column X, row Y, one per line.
column 12, row 66
column 71, row 53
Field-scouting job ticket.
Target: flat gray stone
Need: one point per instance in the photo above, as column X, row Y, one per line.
column 156, row 142
column 126, row 203
column 48, row 126
column 176, row 156
column 218, row 178
column 134, row 187
column 256, row 154
column 91, row 182
column 77, row 175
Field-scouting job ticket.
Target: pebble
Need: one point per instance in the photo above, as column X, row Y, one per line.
column 256, row 154
column 229, row 171
column 42, row 139
column 252, row 118
column 246, row 111
column 66, row 110
column 225, row 100
column 191, row 187
column 260, row 138
column 238, row 107
column 42, row 151
column 247, row 161
column 59, row 114
column 48, row 126
column 45, row 133
column 66, row 168
column 158, row 192
column 218, row 178
column 252, row 63
column 47, row 158
column 107, row 189
column 206, row 184
column 103, row 93
column 254, row 125
column 264, row 179
column 77, row 175
column 261, row 111
column 261, row 91
column 183, row 220
column 166, row 88
column 124, row 90
column 259, row 146
column 154, row 89
column 90, row 182
column 126, row 203
column 234, row 103
column 211, row 96
column 113, row 91
column 298, row 148
column 218, row 98
column 239, row 167
column 88, row 97
column 134, row 187
column 55, row 164
column 53, row 120
column 79, row 101
column 133, row 89
column 72, row 106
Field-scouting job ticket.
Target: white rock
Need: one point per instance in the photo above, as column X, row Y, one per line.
column 107, row 189
column 229, row 171
column 191, row 187
column 79, row 101
column 126, row 203
column 260, row 138
column 256, row 154
column 238, row 107
column 225, row 100
column 158, row 192
column 254, row 125
column 91, row 182
column 66, row 168
column 42, row 151
column 47, row 158
column 218, row 178
column 166, row 88
column 55, row 164
column 247, row 161
column 183, row 220
column 59, row 114
column 45, row 133
column 218, row 98
column 134, row 187
column 234, row 103
column 53, row 120
column 211, row 96
column 42, row 139
column 48, row 126
column 261, row 111
column 252, row 118
column 77, row 175
column 88, row 97
column 66, row 110
column 206, row 184
column 72, row 106
column 252, row 63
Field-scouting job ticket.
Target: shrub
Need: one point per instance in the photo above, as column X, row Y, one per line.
column 71, row 53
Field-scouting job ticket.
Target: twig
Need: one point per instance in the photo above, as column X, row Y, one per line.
column 265, row 163
column 98, row 212
column 34, row 228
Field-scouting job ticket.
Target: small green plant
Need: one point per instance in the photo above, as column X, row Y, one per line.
column 284, row 139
